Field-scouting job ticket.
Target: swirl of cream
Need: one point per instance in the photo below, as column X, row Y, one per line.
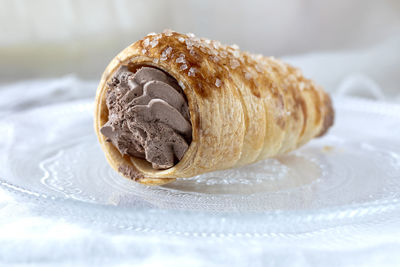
column 148, row 116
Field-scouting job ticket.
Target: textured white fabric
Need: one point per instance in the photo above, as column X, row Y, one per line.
column 27, row 236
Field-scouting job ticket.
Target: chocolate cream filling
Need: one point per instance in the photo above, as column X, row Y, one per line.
column 148, row 116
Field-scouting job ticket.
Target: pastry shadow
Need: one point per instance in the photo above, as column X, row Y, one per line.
column 268, row 176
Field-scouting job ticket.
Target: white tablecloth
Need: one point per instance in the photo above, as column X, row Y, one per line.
column 30, row 235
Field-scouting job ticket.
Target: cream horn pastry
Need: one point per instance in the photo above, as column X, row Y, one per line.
column 174, row 106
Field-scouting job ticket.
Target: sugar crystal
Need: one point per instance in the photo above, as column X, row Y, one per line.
column 214, row 52
column 218, row 82
column 154, row 43
column 189, row 43
column 214, row 58
column 192, row 71
column 234, row 63
column 204, row 50
column 248, row 75
column 183, row 67
column 216, row 44
column 167, row 51
column 181, row 59
column 259, row 68
column 167, row 32
column 223, row 54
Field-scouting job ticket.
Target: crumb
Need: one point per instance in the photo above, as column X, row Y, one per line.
column 327, row 148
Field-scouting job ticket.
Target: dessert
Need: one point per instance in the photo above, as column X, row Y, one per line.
column 174, row 105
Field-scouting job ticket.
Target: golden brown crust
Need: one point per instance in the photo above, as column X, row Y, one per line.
column 243, row 107
column 330, row 115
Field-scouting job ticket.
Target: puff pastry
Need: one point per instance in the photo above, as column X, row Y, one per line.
column 243, row 107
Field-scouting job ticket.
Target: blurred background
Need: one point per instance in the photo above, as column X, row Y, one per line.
column 47, row 38
column 59, row 49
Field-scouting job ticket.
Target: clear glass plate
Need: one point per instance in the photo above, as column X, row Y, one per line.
column 51, row 156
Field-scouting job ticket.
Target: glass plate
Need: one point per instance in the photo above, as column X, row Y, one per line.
column 352, row 175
